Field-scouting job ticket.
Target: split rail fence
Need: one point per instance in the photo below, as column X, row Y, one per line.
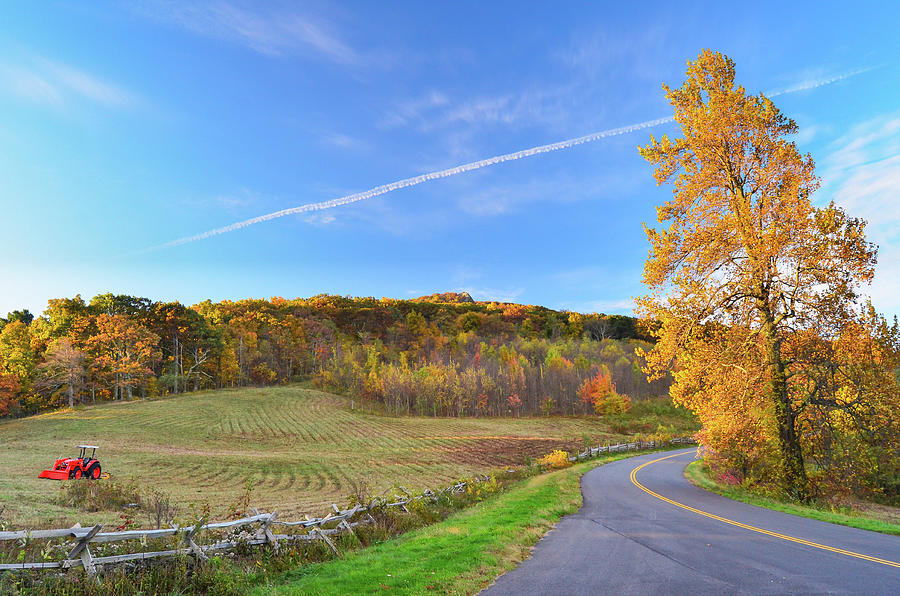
column 257, row 529
column 637, row 446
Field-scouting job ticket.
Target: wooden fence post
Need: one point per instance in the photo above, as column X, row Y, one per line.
column 325, row 539
column 185, row 539
column 265, row 532
column 189, row 540
column 82, row 551
column 347, row 528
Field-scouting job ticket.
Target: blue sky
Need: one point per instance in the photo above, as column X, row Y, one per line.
column 128, row 126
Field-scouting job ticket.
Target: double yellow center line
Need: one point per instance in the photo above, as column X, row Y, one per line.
column 725, row 520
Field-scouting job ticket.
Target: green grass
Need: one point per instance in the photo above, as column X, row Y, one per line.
column 698, row 473
column 646, row 415
column 303, row 449
column 461, row 555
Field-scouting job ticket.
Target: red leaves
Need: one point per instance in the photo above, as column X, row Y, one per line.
column 9, row 387
column 600, row 392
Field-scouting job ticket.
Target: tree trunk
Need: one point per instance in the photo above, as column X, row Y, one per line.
column 793, row 470
column 71, row 393
column 175, row 363
column 180, row 371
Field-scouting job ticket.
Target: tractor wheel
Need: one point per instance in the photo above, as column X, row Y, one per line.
column 94, row 472
column 76, row 474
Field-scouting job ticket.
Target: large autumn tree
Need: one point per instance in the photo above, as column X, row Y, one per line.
column 754, row 288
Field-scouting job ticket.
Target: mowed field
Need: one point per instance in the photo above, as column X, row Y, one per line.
column 302, row 448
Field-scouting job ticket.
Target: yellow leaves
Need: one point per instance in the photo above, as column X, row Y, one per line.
column 555, row 460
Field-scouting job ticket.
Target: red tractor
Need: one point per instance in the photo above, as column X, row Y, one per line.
column 83, row 466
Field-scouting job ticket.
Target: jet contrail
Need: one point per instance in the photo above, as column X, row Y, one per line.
column 407, row 182
column 475, row 165
column 820, row 82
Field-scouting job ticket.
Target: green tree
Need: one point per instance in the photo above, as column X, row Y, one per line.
column 23, row 316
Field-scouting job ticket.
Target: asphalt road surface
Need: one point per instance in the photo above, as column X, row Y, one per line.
column 626, row 540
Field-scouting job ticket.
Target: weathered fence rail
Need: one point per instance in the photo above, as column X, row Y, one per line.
column 637, row 446
column 335, row 522
column 338, row 521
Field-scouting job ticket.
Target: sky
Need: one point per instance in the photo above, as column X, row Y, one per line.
column 128, row 128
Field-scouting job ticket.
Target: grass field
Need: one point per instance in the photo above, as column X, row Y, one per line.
column 303, row 449
column 866, row 516
column 487, row 540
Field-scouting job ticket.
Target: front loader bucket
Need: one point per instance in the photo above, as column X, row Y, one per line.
column 54, row 474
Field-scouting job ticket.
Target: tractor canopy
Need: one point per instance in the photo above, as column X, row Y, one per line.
column 84, row 449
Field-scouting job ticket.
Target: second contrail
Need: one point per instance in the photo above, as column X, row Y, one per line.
column 475, row 165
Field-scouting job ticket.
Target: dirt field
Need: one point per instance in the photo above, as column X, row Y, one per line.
column 304, row 449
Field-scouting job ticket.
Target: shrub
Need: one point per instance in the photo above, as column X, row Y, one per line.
column 99, row 495
column 555, row 459
column 600, row 392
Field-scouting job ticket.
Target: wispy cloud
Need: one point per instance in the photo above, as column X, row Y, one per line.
column 492, row 294
column 272, row 29
column 342, row 141
column 613, row 306
column 52, row 83
column 416, row 111
column 416, row 180
column 29, row 85
column 320, row 219
column 466, row 274
column 551, row 107
column 862, row 174
column 807, row 133
column 238, row 200
column 422, row 178
column 604, row 53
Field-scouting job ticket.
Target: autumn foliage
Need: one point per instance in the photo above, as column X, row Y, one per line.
column 555, row 460
column 442, row 355
column 753, row 298
column 600, row 393
column 9, row 387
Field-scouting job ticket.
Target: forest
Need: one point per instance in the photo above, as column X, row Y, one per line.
column 439, row 355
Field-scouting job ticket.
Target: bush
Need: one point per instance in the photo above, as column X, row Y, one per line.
column 555, row 460
column 99, row 495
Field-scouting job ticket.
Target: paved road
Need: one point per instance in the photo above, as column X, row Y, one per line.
column 627, row 541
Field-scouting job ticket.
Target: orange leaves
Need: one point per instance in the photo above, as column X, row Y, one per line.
column 9, row 387
column 123, row 350
column 514, row 313
column 600, row 393
column 597, row 387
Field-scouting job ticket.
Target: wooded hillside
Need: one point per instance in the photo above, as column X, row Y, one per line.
column 443, row 354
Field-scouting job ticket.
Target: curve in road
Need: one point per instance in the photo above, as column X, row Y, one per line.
column 634, row 481
column 644, row 529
